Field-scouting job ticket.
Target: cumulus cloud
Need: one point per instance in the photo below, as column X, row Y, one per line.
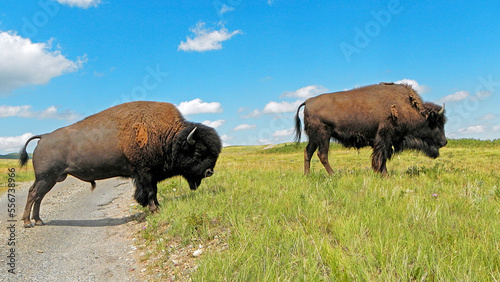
column 283, row 132
column 281, row 107
column 421, row 89
column 473, row 129
column 214, row 124
column 244, row 126
column 226, row 137
column 305, row 92
column 206, row 39
column 197, row 106
column 225, row 8
column 13, row 143
column 253, row 114
column 23, row 62
column 85, row 4
column 457, row 96
column 26, row 111
column 488, row 117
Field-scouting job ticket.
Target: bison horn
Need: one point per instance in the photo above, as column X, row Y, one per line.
column 190, row 138
column 441, row 112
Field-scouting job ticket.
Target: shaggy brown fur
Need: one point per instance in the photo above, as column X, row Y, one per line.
column 382, row 116
column 142, row 140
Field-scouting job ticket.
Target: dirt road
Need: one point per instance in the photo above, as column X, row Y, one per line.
column 88, row 236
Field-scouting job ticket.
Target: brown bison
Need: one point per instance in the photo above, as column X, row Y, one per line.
column 147, row 141
column 388, row 117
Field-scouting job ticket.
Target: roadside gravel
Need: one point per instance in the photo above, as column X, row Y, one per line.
column 88, row 236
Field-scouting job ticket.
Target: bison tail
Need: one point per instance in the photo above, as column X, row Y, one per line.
column 23, row 155
column 298, row 125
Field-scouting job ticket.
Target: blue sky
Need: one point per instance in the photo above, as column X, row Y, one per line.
column 241, row 66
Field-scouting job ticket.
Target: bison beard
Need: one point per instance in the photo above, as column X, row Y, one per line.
column 388, row 117
column 146, row 141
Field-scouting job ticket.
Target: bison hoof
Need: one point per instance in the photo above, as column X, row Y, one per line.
column 39, row 223
column 28, row 225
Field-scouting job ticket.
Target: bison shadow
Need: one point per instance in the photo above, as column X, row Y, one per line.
column 102, row 222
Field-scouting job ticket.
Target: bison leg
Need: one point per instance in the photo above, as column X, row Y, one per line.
column 35, row 195
column 153, row 200
column 145, row 191
column 382, row 150
column 323, row 155
column 308, row 153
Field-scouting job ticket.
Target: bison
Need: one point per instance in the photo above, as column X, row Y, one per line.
column 388, row 117
column 145, row 141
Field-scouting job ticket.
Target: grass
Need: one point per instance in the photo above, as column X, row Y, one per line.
column 259, row 219
column 430, row 220
column 24, row 174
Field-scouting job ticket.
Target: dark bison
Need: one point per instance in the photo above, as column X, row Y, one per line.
column 388, row 117
column 147, row 141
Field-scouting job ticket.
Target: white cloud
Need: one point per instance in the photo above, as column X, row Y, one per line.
column 197, row 106
column 264, row 141
column 23, row 62
column 80, row 3
column 283, row 133
column 26, row 111
column 305, row 92
column 496, row 128
column 457, row 96
column 253, row 114
column 244, row 126
column 473, row 129
column 204, row 39
column 214, row 124
column 488, row 117
column 13, row 143
column 481, row 95
column 281, row 107
column 421, row 89
column 225, row 8
column 226, row 137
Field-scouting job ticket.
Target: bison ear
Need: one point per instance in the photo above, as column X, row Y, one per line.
column 190, row 139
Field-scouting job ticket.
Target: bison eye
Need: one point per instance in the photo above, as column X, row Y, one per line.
column 209, row 172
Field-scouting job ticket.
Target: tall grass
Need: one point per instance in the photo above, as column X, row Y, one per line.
column 429, row 220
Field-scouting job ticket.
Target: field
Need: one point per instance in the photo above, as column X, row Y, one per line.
column 259, row 219
column 24, row 174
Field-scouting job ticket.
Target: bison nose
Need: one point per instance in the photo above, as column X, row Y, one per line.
column 444, row 142
column 209, row 172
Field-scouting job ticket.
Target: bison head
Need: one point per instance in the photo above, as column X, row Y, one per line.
column 197, row 148
column 428, row 136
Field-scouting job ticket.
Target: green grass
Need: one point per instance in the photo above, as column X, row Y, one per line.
column 21, row 175
column 260, row 219
column 429, row 220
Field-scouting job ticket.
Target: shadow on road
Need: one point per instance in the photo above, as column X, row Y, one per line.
column 95, row 222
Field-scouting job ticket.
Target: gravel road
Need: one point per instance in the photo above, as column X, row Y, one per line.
column 88, row 236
